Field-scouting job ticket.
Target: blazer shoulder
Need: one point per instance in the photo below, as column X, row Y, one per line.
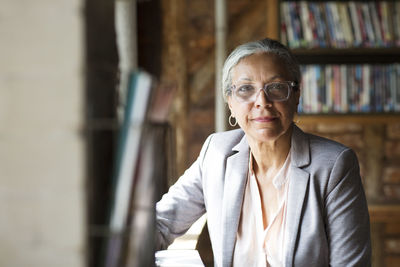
column 329, row 153
column 324, row 145
column 225, row 142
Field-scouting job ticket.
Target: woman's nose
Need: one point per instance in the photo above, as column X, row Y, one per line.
column 262, row 99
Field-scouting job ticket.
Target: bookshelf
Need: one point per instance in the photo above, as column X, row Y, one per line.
column 328, row 38
column 369, row 131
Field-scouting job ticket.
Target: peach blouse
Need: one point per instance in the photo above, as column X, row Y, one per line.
column 256, row 246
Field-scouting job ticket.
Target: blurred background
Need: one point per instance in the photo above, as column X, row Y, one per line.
column 63, row 75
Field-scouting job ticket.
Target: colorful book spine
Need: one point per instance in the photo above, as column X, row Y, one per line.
column 350, row 88
column 340, row 24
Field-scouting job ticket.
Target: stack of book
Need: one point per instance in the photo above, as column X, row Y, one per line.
column 340, row 24
column 350, row 88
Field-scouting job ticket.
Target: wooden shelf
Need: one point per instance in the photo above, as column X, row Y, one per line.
column 347, row 56
column 384, row 213
column 349, row 118
column 346, row 51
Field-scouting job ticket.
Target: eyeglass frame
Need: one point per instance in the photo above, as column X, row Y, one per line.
column 292, row 85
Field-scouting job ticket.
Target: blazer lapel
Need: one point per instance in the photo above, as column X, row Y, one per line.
column 299, row 180
column 235, row 181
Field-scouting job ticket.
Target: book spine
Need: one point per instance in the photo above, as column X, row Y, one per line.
column 344, row 89
column 346, row 24
column 392, row 86
column 384, row 16
column 338, row 25
column 365, row 103
column 360, row 18
column 286, row 15
column 322, row 88
column 359, row 87
column 319, row 24
column 368, row 24
column 355, row 24
column 315, row 104
column 283, row 27
column 337, row 89
column 329, row 87
column 305, row 23
column 296, row 25
column 373, row 8
column 396, row 22
column 304, row 87
column 313, row 25
column 331, row 25
column 397, row 75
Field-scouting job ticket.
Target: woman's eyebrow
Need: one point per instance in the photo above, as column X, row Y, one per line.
column 274, row 77
column 244, row 79
column 270, row 79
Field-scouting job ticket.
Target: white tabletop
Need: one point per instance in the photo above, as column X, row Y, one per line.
column 178, row 258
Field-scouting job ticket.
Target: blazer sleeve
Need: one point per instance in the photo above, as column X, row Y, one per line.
column 347, row 218
column 182, row 205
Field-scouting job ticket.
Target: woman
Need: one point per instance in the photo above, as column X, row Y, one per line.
column 274, row 195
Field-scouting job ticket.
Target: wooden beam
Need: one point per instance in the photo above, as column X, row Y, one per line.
column 174, row 73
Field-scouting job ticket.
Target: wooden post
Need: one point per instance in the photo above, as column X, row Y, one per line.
column 221, row 31
column 174, row 73
column 272, row 29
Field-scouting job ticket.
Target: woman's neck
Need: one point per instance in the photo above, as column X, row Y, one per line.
column 270, row 155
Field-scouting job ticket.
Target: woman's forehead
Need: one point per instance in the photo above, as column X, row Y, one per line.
column 260, row 66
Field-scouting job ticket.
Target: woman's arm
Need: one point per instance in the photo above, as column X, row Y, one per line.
column 347, row 218
column 183, row 204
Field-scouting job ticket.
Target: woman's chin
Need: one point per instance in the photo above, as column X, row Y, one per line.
column 267, row 134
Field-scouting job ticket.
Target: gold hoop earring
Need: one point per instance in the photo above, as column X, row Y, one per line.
column 296, row 118
column 230, row 121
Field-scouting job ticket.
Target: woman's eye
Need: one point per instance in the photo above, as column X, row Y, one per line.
column 245, row 89
column 277, row 87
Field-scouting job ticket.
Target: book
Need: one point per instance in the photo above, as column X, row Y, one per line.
column 346, row 24
column 368, row 24
column 355, row 24
column 139, row 91
column 151, row 173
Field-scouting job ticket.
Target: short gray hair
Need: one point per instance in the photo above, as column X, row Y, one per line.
column 262, row 46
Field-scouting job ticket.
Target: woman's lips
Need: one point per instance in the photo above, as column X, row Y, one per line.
column 265, row 119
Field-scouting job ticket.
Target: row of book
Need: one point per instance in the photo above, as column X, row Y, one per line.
column 350, row 88
column 340, row 24
column 139, row 169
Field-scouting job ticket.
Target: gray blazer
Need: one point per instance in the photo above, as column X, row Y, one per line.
column 327, row 215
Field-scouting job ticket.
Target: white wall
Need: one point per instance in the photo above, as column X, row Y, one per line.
column 42, row 212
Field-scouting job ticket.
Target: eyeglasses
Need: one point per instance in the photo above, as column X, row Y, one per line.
column 275, row 91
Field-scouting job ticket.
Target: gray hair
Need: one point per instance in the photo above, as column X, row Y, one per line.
column 262, row 46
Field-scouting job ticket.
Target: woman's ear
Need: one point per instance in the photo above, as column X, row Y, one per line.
column 297, row 96
column 228, row 100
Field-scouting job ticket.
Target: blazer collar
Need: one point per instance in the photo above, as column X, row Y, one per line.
column 300, row 148
column 299, row 179
column 235, row 181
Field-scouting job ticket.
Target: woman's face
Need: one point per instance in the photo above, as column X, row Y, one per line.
column 261, row 119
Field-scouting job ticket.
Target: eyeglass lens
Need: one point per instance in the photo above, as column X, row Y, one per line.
column 274, row 92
